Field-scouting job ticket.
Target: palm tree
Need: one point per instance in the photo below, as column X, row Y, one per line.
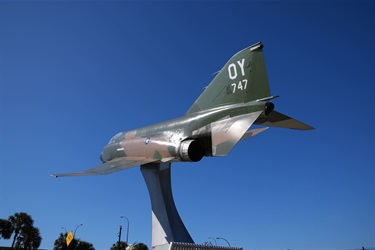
column 29, row 239
column 25, row 234
column 6, row 229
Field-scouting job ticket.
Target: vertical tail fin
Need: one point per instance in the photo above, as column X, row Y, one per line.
column 242, row 79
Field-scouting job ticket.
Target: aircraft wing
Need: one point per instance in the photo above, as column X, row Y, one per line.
column 110, row 167
column 276, row 119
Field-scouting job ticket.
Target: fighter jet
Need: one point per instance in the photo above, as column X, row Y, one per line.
column 238, row 97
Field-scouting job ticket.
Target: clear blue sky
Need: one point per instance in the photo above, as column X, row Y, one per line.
column 73, row 74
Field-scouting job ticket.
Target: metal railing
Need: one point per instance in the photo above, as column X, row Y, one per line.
column 189, row 246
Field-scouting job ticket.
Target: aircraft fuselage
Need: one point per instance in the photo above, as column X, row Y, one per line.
column 163, row 141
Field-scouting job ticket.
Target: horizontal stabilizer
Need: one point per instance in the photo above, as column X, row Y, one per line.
column 109, row 167
column 276, row 119
column 252, row 133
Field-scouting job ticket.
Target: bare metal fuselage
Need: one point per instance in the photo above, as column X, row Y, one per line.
column 162, row 141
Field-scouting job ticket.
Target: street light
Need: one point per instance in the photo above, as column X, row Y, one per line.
column 127, row 230
column 76, row 229
column 220, row 238
column 214, row 240
column 64, row 229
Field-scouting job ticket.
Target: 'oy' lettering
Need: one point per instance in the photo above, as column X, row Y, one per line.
column 232, row 69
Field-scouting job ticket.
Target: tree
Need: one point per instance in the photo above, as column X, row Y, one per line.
column 26, row 236
column 121, row 246
column 76, row 244
column 83, row 245
column 6, row 229
column 60, row 243
column 124, row 246
column 140, row 246
column 29, row 239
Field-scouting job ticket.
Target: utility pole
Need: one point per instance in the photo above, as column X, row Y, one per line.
column 119, row 238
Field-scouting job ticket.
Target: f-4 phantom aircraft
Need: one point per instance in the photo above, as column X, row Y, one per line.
column 238, row 97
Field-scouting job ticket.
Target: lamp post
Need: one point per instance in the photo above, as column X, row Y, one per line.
column 76, row 229
column 127, row 230
column 214, row 240
column 220, row 238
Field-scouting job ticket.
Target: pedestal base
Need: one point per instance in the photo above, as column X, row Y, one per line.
column 167, row 226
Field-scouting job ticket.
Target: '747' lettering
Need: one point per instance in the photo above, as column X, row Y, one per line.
column 241, row 85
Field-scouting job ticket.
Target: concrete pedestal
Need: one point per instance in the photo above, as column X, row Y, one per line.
column 167, row 225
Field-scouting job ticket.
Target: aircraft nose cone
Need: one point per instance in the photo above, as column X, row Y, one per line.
column 107, row 153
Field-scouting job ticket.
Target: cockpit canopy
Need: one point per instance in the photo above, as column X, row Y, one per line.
column 117, row 138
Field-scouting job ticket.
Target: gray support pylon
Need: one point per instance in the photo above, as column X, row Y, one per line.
column 167, row 225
